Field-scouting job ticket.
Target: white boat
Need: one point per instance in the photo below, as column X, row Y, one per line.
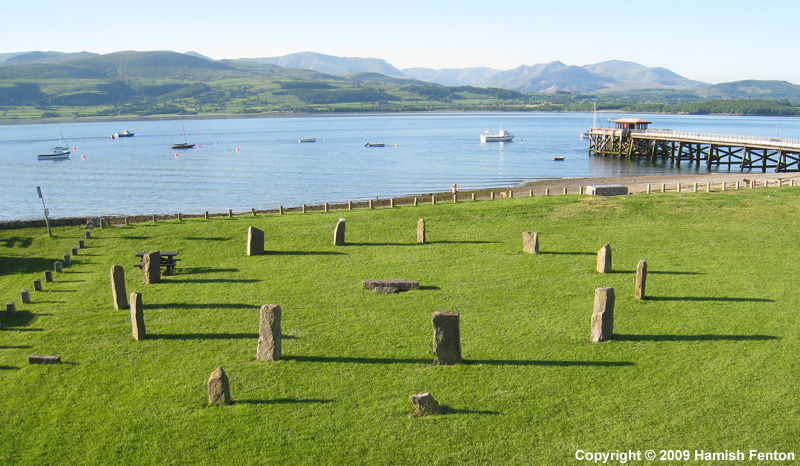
column 56, row 152
column 124, row 134
column 375, row 144
column 502, row 136
column 308, row 140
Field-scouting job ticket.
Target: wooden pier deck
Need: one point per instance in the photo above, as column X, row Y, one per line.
column 745, row 153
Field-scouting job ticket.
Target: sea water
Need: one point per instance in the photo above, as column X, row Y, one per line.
column 243, row 163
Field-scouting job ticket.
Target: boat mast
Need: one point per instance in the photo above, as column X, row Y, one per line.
column 184, row 133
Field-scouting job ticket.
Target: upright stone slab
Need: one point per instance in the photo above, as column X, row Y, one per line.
column 604, row 259
column 530, row 242
column 137, row 317
column 48, row 276
column 67, row 259
column 82, row 244
column 269, row 333
column 424, row 404
column 118, row 292
column 25, row 295
column 88, row 235
column 603, row 314
column 338, row 233
column 57, row 267
column 151, row 267
column 255, row 241
column 641, row 279
column 74, row 252
column 421, row 231
column 219, row 389
column 446, row 338
column 11, row 309
column 37, row 285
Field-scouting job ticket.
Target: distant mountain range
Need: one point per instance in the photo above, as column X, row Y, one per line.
column 606, row 77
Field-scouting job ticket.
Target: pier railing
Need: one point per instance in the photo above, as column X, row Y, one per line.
column 734, row 139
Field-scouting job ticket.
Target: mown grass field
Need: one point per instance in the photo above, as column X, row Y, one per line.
column 710, row 361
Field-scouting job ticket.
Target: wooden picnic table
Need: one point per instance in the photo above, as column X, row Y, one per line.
column 168, row 260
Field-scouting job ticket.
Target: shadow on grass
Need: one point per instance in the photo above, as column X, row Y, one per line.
column 622, row 337
column 210, row 238
column 18, row 319
column 302, row 253
column 9, row 368
column 202, row 336
column 429, row 287
column 444, row 409
column 461, row 242
column 429, row 361
column 168, row 279
column 135, row 237
column 201, row 306
column 17, row 242
column 700, row 298
column 665, row 272
column 280, row 401
column 14, row 265
column 208, row 270
column 16, row 347
column 557, row 253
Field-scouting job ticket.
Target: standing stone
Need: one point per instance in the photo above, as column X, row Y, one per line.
column 88, row 235
column 338, row 233
column 11, row 309
column 67, row 259
column 82, row 243
column 421, row 231
column 604, row 259
column 57, row 267
column 219, row 389
column 255, row 241
column 424, row 403
column 137, row 317
column 37, row 285
column 641, row 278
column 530, row 242
column 118, row 286
column 151, row 267
column 446, row 338
column 48, row 276
column 603, row 314
column 25, row 295
column 269, row 333
column 74, row 251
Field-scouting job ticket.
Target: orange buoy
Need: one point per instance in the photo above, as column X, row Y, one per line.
column 237, row 149
column 83, row 156
column 176, row 154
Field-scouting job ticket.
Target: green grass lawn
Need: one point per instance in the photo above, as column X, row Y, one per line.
column 710, row 361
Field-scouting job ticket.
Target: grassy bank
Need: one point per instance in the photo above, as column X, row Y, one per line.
column 708, row 362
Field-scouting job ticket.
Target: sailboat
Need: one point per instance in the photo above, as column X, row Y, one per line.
column 185, row 144
column 585, row 135
column 56, row 152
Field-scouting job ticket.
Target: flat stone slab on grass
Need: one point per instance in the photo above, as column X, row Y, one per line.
column 399, row 283
column 385, row 289
column 607, row 190
column 41, row 359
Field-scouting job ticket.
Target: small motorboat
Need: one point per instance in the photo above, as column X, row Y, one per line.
column 56, row 152
column 502, row 136
column 558, row 159
column 307, row 140
column 124, row 134
column 375, row 144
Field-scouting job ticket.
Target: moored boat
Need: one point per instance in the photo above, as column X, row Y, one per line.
column 308, row 140
column 558, row 159
column 56, row 152
column 375, row 144
column 185, row 144
column 124, row 134
column 502, row 136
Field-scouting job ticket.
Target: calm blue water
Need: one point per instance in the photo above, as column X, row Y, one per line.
column 258, row 162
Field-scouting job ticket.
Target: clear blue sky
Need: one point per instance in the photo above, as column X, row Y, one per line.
column 712, row 41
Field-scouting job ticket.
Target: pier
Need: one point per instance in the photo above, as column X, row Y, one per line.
column 632, row 139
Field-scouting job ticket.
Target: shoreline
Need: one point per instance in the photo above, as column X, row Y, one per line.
column 636, row 184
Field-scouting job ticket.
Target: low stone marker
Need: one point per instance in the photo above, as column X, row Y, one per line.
column 421, row 231
column 604, row 259
column 67, row 259
column 82, row 244
column 151, row 267
column 25, row 295
column 137, row 317
column 338, row 233
column 425, row 404
column 11, row 309
column 399, row 284
column 255, row 241
column 607, row 190
column 88, row 235
column 530, row 242
column 269, row 333
column 48, row 276
column 118, row 293
column 42, row 359
column 641, row 279
column 219, row 389
column 74, row 252
column 446, row 338
column 603, row 314
column 57, row 267
column 37, row 285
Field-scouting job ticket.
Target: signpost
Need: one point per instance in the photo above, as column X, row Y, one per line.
column 46, row 212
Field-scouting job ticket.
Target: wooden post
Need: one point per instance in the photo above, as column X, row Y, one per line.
column 391, row 203
column 349, row 205
column 546, row 191
column 416, row 201
column 565, row 191
column 491, row 195
column 694, row 188
column 708, row 187
column 326, row 207
column 663, row 187
column 678, row 187
column 530, row 193
column 473, row 196
column 648, row 188
column 280, row 210
column 455, row 198
column 433, row 199
column 253, row 211
column 205, row 215
column 304, row 208
column 230, row 213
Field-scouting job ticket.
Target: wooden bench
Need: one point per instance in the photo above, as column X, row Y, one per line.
column 168, row 260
